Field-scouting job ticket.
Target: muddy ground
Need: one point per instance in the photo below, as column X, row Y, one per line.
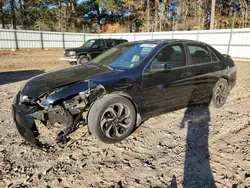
column 193, row 147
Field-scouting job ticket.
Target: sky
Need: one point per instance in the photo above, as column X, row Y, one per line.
column 80, row 1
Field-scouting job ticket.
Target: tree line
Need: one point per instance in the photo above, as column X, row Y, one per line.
column 123, row 15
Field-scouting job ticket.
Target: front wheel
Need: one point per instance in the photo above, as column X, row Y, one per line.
column 82, row 60
column 220, row 93
column 72, row 63
column 112, row 118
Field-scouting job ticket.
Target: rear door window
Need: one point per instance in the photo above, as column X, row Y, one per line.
column 111, row 43
column 214, row 57
column 199, row 54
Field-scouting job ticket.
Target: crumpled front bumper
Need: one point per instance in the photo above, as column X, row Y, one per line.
column 25, row 124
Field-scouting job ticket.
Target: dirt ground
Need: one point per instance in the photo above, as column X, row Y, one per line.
column 193, row 147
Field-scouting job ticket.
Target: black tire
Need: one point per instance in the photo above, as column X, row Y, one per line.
column 82, row 60
column 72, row 63
column 100, row 112
column 220, row 93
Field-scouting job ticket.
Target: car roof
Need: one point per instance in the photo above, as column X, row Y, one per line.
column 162, row 41
column 108, row 39
column 157, row 41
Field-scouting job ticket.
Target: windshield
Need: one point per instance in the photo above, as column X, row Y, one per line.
column 88, row 44
column 124, row 56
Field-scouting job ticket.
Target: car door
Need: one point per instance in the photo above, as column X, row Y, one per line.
column 97, row 48
column 166, row 90
column 206, row 70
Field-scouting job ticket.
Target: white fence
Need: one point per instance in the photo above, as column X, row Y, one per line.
column 234, row 42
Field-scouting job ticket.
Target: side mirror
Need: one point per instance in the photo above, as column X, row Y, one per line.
column 159, row 66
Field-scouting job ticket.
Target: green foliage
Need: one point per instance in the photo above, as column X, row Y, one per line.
column 130, row 15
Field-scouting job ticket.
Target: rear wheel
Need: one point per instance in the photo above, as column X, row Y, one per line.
column 82, row 60
column 220, row 93
column 112, row 118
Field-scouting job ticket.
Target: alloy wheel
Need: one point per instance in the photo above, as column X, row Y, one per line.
column 116, row 120
column 84, row 61
column 221, row 94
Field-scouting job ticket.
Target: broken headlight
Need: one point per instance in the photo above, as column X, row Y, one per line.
column 25, row 98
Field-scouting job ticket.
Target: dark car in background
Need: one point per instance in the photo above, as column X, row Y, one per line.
column 124, row 86
column 89, row 50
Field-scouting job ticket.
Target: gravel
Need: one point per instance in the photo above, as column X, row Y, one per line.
column 193, row 147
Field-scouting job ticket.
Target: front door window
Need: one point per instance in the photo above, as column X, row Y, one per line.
column 172, row 55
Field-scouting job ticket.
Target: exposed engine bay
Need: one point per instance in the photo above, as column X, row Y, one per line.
column 67, row 111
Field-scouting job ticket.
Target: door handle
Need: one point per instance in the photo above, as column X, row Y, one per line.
column 185, row 75
column 217, row 67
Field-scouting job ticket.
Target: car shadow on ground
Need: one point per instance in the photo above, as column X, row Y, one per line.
column 197, row 169
column 17, row 76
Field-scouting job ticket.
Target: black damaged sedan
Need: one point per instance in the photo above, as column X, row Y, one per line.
column 119, row 89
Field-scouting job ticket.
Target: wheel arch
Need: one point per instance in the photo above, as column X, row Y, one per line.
column 227, row 78
column 125, row 95
column 85, row 54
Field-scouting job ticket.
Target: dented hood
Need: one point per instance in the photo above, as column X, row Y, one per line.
column 49, row 81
